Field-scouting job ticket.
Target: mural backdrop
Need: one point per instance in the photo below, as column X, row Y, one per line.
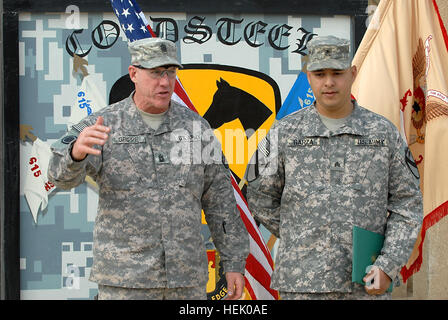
column 240, row 72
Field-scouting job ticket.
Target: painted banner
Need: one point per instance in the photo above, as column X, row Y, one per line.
column 253, row 58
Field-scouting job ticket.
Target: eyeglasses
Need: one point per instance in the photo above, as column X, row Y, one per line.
column 158, row 74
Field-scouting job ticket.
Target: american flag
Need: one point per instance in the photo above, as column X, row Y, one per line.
column 133, row 21
column 134, row 24
column 259, row 264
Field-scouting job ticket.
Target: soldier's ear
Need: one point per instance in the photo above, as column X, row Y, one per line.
column 132, row 71
column 308, row 75
column 354, row 71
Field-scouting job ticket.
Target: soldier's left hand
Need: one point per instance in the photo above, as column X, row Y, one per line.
column 380, row 279
column 235, row 285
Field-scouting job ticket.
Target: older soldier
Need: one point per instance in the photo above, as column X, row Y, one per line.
column 147, row 241
column 336, row 165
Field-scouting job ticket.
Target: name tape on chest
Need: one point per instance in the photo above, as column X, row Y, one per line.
column 307, row 142
column 371, row 142
column 186, row 137
column 129, row 139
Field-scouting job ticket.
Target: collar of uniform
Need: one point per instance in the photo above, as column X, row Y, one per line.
column 173, row 119
column 135, row 125
column 167, row 123
column 354, row 124
column 313, row 125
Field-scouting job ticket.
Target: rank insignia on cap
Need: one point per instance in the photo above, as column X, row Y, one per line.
column 328, row 52
column 153, row 52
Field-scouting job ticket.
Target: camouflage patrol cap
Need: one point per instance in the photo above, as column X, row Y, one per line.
column 328, row 52
column 153, row 52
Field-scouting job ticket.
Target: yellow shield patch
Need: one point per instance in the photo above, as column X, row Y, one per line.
column 240, row 104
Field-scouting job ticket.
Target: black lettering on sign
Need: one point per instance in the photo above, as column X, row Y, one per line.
column 105, row 34
column 226, row 31
column 200, row 33
column 166, row 28
column 252, row 31
column 72, row 45
column 301, row 46
column 276, row 36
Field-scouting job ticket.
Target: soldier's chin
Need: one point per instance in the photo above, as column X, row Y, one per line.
column 163, row 103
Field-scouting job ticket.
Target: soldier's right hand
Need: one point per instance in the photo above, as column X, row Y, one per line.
column 90, row 136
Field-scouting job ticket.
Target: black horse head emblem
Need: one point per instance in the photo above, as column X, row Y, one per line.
column 230, row 103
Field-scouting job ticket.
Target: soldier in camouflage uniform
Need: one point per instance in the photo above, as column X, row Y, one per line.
column 143, row 154
column 332, row 166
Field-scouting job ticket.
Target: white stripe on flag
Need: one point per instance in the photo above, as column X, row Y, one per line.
column 176, row 98
column 260, row 291
column 245, row 209
column 259, row 255
column 142, row 16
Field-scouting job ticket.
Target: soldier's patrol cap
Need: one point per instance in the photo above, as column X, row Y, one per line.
column 153, row 52
column 328, row 52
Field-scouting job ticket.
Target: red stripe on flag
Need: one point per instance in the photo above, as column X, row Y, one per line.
column 251, row 228
column 183, row 95
column 260, row 274
column 150, row 30
column 235, row 185
column 254, row 235
column 249, row 289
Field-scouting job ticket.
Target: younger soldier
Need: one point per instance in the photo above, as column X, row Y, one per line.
column 339, row 165
column 147, row 241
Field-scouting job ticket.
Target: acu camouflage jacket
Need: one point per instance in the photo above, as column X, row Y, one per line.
column 147, row 231
column 324, row 183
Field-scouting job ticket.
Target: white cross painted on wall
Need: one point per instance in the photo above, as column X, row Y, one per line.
column 39, row 34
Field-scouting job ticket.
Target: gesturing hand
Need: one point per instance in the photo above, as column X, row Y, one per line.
column 90, row 136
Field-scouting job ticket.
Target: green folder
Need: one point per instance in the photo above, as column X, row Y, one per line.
column 367, row 246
